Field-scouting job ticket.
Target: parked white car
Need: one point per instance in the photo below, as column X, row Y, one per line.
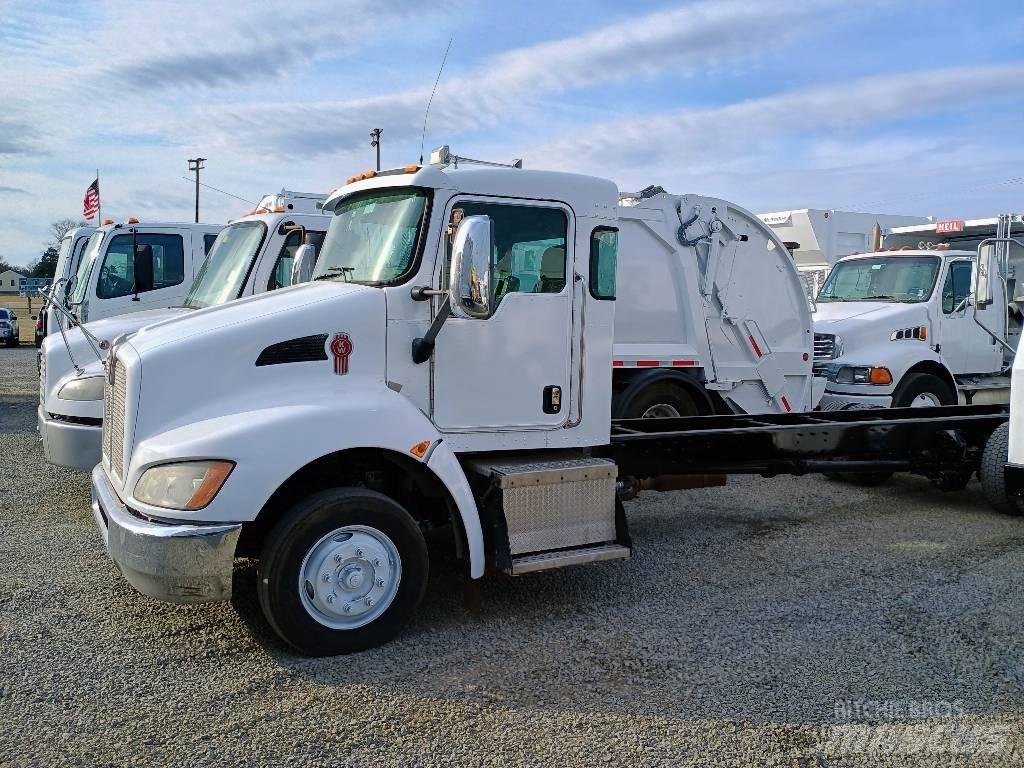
column 9, row 327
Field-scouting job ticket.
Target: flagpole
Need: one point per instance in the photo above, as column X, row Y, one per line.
column 99, row 201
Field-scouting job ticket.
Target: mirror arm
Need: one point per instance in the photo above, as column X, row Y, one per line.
column 424, row 292
column 423, row 347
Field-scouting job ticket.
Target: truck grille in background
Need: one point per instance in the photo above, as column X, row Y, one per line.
column 824, row 346
column 113, row 417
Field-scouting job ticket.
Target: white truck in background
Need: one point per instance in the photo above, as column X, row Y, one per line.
column 818, row 237
column 907, row 326
column 253, row 254
column 69, row 255
column 133, row 266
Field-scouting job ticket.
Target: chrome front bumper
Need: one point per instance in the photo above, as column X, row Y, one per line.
column 179, row 563
column 835, row 401
column 69, row 445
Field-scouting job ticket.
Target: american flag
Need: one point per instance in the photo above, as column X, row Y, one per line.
column 91, row 204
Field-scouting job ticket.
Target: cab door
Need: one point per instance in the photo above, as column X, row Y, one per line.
column 965, row 346
column 512, row 370
column 115, row 292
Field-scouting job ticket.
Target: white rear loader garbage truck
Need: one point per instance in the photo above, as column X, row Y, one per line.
column 253, row 254
column 449, row 369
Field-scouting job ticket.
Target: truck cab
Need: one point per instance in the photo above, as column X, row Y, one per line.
column 134, row 266
column 69, row 255
column 252, row 255
column 903, row 328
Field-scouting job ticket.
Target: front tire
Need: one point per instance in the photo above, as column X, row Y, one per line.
column 923, row 390
column 342, row 571
column 992, row 473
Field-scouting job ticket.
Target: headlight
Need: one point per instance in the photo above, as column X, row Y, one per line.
column 863, row 374
column 89, row 388
column 187, row 485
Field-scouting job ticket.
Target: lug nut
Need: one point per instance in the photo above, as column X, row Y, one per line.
column 369, row 601
column 347, row 609
column 338, row 558
column 359, row 552
column 330, row 598
column 376, row 563
column 326, row 578
column 380, row 582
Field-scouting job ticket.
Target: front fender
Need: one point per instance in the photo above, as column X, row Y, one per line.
column 269, row 445
column 898, row 356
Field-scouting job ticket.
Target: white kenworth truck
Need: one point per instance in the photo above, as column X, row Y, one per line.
column 907, row 326
column 433, row 377
column 253, row 254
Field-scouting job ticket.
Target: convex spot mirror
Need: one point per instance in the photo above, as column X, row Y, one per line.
column 471, row 284
column 303, row 263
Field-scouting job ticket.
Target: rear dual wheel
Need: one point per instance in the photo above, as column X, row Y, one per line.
column 342, row 571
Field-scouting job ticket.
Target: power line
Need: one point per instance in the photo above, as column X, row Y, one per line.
column 207, row 186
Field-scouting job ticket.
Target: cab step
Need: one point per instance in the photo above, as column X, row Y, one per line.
column 548, row 560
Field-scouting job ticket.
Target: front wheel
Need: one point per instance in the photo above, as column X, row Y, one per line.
column 923, row 390
column 661, row 400
column 342, row 571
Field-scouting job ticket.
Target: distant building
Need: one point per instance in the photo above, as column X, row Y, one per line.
column 9, row 282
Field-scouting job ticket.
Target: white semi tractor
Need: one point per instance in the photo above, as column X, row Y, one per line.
column 906, row 325
column 436, row 377
column 253, row 254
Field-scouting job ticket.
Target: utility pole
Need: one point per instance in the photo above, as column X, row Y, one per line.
column 375, row 142
column 196, row 164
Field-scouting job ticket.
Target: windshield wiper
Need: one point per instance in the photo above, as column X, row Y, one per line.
column 335, row 271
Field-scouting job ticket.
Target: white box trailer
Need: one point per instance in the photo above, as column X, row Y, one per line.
column 252, row 255
column 818, row 237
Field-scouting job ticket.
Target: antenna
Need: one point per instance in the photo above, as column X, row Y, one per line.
column 430, row 101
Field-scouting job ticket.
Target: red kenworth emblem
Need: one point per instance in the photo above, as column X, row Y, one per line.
column 341, row 348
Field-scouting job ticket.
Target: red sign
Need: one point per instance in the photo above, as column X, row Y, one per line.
column 945, row 227
column 341, row 348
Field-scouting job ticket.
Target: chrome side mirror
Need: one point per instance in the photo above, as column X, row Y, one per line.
column 983, row 274
column 303, row 263
column 471, row 286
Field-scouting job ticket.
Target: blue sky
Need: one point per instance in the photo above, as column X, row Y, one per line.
column 896, row 107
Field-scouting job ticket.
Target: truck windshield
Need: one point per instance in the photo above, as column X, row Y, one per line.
column 372, row 237
column 62, row 257
column 85, row 266
column 222, row 276
column 881, row 278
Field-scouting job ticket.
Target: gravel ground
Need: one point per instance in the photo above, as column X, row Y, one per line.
column 771, row 622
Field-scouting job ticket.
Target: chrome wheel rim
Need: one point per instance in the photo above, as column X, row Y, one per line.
column 350, row 577
column 925, row 400
column 661, row 411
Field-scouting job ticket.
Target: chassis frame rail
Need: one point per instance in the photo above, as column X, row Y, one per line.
column 941, row 443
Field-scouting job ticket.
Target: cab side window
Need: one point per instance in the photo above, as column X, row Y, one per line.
column 529, row 253
column 208, row 241
column 957, row 286
column 604, row 246
column 117, row 274
column 281, row 276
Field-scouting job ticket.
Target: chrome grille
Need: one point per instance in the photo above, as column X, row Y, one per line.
column 113, row 417
column 824, row 346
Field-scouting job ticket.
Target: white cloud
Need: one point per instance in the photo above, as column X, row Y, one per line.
column 698, row 37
